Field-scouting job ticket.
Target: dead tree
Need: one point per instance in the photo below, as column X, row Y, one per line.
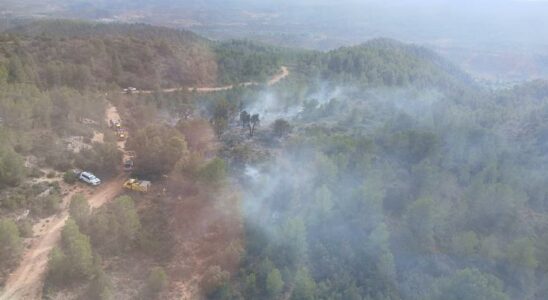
column 245, row 118
column 254, row 121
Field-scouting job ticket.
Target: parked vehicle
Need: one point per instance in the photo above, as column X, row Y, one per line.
column 137, row 185
column 122, row 134
column 130, row 154
column 130, row 90
column 128, row 165
column 89, row 178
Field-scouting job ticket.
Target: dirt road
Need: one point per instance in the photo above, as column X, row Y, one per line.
column 26, row 282
column 284, row 72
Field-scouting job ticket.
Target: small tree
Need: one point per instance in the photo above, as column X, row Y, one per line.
column 100, row 287
column 245, row 118
column 156, row 282
column 305, row 286
column 214, row 171
column 77, row 249
column 158, row 148
column 70, row 177
column 10, row 242
column 25, row 228
column 465, row 243
column 254, row 122
column 222, row 113
column 214, row 279
column 522, row 253
column 274, row 283
column 57, row 268
column 126, row 215
column 115, row 228
column 101, row 159
column 12, row 167
column 281, row 127
column 420, row 221
column 469, row 284
column 80, row 210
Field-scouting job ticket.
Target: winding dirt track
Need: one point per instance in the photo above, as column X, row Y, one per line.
column 26, row 282
column 284, row 72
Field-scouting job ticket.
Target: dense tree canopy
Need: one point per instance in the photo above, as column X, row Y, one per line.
column 158, row 149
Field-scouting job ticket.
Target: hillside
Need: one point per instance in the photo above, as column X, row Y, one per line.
column 103, row 56
column 401, row 192
column 384, row 62
column 86, row 55
column 378, row 171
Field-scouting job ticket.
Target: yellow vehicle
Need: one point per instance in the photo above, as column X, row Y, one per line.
column 122, row 134
column 115, row 125
column 137, row 185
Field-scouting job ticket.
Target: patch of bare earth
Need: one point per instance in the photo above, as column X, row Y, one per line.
column 208, row 233
column 27, row 280
column 98, row 137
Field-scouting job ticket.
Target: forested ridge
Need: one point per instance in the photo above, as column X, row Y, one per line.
column 384, row 62
column 95, row 56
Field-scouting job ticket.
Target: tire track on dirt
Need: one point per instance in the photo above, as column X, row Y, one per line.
column 26, row 282
column 283, row 73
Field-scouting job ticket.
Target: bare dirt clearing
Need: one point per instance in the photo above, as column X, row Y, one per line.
column 27, row 280
column 98, row 137
column 208, row 229
column 209, row 238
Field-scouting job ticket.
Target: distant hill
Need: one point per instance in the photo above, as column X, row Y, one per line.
column 81, row 54
column 385, row 62
column 99, row 55
column 111, row 55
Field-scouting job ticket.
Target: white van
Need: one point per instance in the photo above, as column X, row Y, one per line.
column 89, row 178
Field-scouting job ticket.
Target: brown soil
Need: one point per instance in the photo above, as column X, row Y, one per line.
column 208, row 231
column 98, row 137
column 284, row 72
column 26, row 281
column 205, row 221
column 277, row 78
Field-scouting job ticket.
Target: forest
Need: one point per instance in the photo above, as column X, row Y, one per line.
column 407, row 182
column 378, row 171
column 95, row 56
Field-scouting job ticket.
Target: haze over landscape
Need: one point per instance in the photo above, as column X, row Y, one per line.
column 274, row 149
column 496, row 40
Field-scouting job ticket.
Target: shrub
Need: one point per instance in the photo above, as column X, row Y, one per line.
column 25, row 228
column 52, row 204
column 281, row 127
column 214, row 278
column 10, row 242
column 36, row 173
column 12, row 168
column 70, row 177
column 214, row 171
column 156, row 282
column 100, row 287
column 73, row 261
